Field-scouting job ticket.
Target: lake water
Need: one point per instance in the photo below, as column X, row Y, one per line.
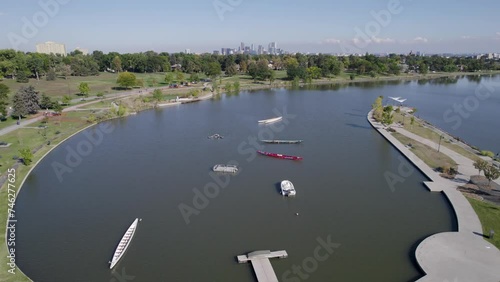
column 147, row 165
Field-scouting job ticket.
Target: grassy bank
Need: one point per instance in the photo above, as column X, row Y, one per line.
column 489, row 215
column 428, row 155
column 420, row 129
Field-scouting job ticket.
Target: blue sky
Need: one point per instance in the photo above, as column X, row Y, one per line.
column 204, row 25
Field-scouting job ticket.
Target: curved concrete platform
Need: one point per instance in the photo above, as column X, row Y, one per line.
column 450, row 256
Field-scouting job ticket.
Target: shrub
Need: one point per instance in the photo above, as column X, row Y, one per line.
column 26, row 155
column 51, row 75
column 487, row 153
column 91, row 118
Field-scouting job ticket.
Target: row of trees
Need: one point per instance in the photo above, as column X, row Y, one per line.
column 490, row 171
column 22, row 66
column 27, row 101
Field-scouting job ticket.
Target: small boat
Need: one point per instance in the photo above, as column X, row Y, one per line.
column 124, row 243
column 271, row 120
column 280, row 156
column 225, row 168
column 287, row 188
column 215, row 136
column 282, row 141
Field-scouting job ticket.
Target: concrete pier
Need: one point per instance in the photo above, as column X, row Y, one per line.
column 261, row 264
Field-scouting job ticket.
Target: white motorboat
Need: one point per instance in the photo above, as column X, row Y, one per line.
column 271, row 120
column 287, row 188
column 124, row 243
column 225, row 168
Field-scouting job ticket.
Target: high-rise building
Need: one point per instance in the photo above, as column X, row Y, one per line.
column 260, row 50
column 272, row 48
column 187, row 51
column 51, row 48
column 242, row 47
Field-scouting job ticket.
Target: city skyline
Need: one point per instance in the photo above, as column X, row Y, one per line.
column 388, row 26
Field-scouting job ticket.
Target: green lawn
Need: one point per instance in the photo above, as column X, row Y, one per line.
column 423, row 131
column 105, row 82
column 489, row 215
column 428, row 155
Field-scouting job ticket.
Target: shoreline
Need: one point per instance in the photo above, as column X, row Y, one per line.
column 449, row 255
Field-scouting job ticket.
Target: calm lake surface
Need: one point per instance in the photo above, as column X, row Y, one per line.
column 149, row 164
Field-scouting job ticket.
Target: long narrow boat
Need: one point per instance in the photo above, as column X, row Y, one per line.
column 124, row 243
column 280, row 156
column 282, row 141
column 271, row 120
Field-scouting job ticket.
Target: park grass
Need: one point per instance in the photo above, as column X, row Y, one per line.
column 105, row 82
column 423, row 131
column 428, row 155
column 58, row 128
column 489, row 215
column 8, row 122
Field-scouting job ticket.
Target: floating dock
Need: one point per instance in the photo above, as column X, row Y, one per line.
column 261, row 264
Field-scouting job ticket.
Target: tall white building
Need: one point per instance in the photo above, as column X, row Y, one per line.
column 187, row 51
column 51, row 48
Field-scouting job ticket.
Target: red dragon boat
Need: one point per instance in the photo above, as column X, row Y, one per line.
column 280, row 156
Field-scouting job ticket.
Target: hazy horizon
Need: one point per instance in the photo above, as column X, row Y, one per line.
column 380, row 26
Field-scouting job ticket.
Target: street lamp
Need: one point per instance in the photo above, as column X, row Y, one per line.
column 439, row 147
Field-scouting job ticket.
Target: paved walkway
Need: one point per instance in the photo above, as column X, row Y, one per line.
column 451, row 256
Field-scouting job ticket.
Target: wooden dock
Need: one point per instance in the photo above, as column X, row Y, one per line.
column 261, row 264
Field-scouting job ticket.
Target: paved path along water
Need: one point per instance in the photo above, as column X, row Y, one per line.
column 450, row 256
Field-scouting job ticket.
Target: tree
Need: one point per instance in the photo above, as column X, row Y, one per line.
column 169, row 78
column 66, row 99
column 157, row 95
column 194, row 78
column 228, row 88
column 231, row 70
column 100, row 95
column 272, row 76
column 84, row 89
column 121, row 111
column 51, row 75
column 26, row 156
column 423, row 68
column 57, row 107
column 179, row 76
column 314, row 72
column 387, row 116
column 213, row 69
column 126, row 80
column 46, row 102
column 378, row 109
column 4, row 96
column 117, row 64
column 491, row 173
column 236, row 86
column 22, row 77
column 412, row 121
column 26, row 101
column 480, row 165
column 65, row 70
